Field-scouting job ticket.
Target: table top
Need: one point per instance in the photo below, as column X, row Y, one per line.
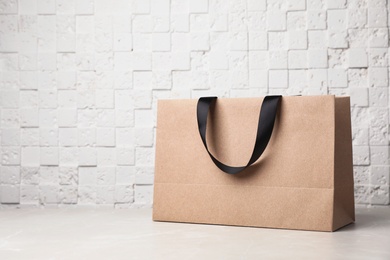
column 105, row 233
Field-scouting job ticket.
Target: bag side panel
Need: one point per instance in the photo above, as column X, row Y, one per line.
column 344, row 205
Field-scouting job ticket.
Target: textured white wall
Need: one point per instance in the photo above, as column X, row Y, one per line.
column 80, row 79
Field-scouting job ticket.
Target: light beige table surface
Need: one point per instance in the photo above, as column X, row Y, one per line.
column 101, row 233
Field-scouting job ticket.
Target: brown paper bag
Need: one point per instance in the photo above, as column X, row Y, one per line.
column 303, row 179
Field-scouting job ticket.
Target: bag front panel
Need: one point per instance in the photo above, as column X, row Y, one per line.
column 290, row 186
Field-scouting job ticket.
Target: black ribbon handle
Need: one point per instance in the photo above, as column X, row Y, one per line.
column 264, row 129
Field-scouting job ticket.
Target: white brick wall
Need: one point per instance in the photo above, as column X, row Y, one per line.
column 79, row 80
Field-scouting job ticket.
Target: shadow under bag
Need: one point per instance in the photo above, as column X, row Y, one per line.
column 276, row 162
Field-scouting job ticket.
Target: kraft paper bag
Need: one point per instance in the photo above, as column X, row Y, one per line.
column 299, row 150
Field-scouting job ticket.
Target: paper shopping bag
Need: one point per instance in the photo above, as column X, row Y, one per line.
column 276, row 162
